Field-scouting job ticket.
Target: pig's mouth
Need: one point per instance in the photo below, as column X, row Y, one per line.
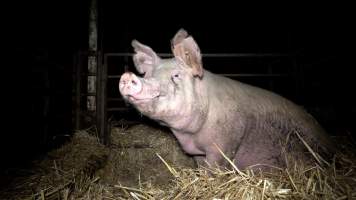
column 140, row 100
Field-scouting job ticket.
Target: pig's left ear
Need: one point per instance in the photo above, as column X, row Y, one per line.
column 144, row 58
column 185, row 48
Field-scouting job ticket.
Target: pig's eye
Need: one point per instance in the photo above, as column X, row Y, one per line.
column 175, row 77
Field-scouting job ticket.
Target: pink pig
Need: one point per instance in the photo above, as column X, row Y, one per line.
column 203, row 109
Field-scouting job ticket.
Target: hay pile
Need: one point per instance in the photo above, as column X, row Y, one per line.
column 142, row 163
column 133, row 161
column 299, row 182
column 67, row 171
column 86, row 169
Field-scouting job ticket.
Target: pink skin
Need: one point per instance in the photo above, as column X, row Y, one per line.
column 163, row 97
column 131, row 86
column 204, row 109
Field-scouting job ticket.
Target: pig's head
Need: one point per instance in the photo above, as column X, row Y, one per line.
column 168, row 91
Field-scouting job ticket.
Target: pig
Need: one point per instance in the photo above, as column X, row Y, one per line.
column 207, row 111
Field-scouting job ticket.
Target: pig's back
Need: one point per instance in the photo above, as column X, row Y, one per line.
column 269, row 109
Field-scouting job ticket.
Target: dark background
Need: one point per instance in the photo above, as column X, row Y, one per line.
column 42, row 38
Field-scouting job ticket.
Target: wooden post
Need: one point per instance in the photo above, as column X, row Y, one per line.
column 97, row 77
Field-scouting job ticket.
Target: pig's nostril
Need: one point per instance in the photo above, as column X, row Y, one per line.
column 134, row 82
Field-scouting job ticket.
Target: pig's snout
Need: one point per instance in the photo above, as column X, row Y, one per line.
column 130, row 84
column 137, row 89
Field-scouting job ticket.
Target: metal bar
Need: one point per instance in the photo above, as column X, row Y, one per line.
column 115, row 99
column 105, row 124
column 114, row 76
column 118, row 109
column 78, row 65
column 222, row 55
column 90, row 74
column 101, row 114
column 207, row 55
column 88, row 94
column 99, row 101
column 228, row 75
column 254, row 75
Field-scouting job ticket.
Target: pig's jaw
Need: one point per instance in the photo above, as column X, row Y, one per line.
column 177, row 114
column 138, row 101
column 142, row 97
column 145, row 105
column 181, row 118
column 156, row 109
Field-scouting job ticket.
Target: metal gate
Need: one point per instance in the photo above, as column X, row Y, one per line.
column 275, row 72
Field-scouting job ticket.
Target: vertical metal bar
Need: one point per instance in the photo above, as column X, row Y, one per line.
column 101, row 97
column 105, row 125
column 99, row 102
column 77, row 80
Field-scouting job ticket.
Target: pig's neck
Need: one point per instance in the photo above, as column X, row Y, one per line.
column 195, row 115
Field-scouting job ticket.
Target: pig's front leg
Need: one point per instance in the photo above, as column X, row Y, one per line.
column 214, row 159
column 200, row 161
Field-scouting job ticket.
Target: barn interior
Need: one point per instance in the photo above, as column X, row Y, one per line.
column 303, row 54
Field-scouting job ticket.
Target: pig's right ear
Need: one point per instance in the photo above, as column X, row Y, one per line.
column 144, row 58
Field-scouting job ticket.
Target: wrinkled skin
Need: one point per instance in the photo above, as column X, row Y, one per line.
column 204, row 109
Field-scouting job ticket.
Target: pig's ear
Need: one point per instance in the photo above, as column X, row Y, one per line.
column 144, row 58
column 185, row 48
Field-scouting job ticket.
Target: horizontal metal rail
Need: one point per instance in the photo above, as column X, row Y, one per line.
column 228, row 75
column 115, row 99
column 204, row 55
column 212, row 55
column 254, row 75
column 119, row 109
